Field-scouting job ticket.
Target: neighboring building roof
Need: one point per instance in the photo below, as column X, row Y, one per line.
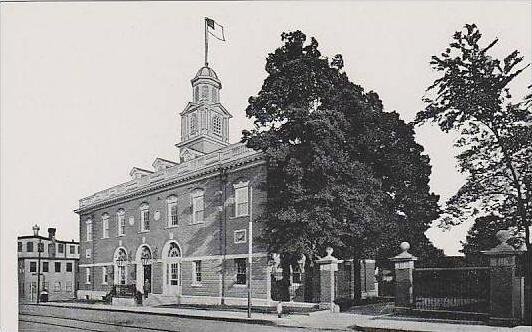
column 44, row 238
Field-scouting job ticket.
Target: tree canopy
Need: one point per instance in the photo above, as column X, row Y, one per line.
column 342, row 172
column 472, row 96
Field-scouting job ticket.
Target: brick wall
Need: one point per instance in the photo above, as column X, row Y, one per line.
column 195, row 240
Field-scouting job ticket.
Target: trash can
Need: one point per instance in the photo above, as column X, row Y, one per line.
column 44, row 296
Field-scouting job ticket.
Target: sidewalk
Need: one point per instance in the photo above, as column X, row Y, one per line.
column 324, row 320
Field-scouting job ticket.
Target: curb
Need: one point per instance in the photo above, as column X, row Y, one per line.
column 168, row 314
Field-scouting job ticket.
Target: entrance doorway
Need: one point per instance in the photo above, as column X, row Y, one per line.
column 147, row 280
column 172, row 271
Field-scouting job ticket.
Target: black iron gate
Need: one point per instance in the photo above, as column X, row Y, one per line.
column 453, row 289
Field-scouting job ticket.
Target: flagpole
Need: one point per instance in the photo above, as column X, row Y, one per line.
column 250, row 247
column 206, row 43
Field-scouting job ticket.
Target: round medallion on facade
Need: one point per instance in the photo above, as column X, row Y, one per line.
column 157, row 215
column 131, row 221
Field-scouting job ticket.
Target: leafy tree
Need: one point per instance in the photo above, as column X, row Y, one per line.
column 472, row 96
column 482, row 235
column 341, row 171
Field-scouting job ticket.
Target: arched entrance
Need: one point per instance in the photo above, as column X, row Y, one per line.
column 144, row 269
column 120, row 266
column 172, row 268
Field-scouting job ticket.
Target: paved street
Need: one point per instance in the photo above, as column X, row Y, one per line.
column 38, row 318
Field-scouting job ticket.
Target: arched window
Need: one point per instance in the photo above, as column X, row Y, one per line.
column 171, row 202
column 89, row 230
column 105, row 226
column 217, row 125
column 121, row 222
column 204, row 92
column 214, row 95
column 121, row 262
column 193, row 124
column 174, row 250
column 196, row 93
column 144, row 217
column 198, row 206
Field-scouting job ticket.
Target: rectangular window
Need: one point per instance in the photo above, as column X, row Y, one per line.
column 69, row 288
column 89, row 231
column 240, row 264
column 174, row 274
column 172, row 214
column 72, row 249
column 57, row 286
column 88, row 253
column 88, row 275
column 57, row 266
column 121, row 223
column 240, row 236
column 33, row 266
column 197, row 208
column 60, row 248
column 241, row 201
column 69, row 267
column 105, row 227
column 45, row 267
column 196, row 272
column 29, row 246
column 145, row 220
column 104, row 275
column 19, row 248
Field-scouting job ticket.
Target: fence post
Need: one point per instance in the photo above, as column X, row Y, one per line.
column 404, row 266
column 506, row 295
column 328, row 266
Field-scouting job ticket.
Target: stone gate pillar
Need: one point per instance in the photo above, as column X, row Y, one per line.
column 506, row 288
column 328, row 267
column 404, row 266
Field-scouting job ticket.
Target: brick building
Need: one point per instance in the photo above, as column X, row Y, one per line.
column 58, row 266
column 179, row 232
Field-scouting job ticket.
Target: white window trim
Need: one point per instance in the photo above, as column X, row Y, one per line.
column 88, row 225
column 105, row 226
column 121, row 214
column 88, row 253
column 88, row 275
column 197, row 194
column 104, row 274
column 144, row 208
column 195, row 281
column 169, row 202
column 240, row 231
column 237, row 186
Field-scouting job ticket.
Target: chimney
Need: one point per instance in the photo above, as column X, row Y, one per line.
column 36, row 230
column 51, row 233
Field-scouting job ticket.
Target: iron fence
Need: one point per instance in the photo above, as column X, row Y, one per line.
column 453, row 289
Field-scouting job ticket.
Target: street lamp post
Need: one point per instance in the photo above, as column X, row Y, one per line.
column 40, row 249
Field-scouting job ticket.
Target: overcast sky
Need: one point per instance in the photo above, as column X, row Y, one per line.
column 90, row 90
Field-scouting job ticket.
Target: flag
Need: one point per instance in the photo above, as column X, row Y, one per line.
column 215, row 29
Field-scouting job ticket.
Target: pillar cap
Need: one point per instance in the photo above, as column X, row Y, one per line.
column 503, row 248
column 404, row 255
